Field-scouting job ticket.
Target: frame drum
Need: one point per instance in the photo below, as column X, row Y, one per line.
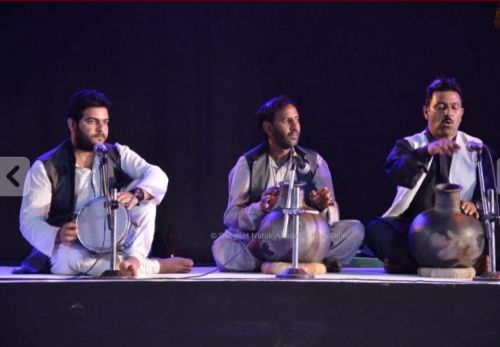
column 93, row 231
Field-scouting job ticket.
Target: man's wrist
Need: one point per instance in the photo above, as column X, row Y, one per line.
column 138, row 194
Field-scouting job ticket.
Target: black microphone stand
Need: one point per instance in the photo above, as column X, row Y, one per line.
column 491, row 216
column 111, row 205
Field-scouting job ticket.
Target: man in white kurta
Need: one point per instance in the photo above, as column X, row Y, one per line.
column 88, row 119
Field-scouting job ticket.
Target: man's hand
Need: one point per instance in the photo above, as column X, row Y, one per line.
column 67, row 234
column 321, row 199
column 269, row 198
column 442, row 146
column 469, row 208
column 127, row 198
column 129, row 267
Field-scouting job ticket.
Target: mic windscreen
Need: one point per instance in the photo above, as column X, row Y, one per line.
column 100, row 148
column 302, row 164
column 304, row 169
column 474, row 146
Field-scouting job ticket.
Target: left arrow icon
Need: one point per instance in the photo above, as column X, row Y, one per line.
column 13, row 172
column 10, row 176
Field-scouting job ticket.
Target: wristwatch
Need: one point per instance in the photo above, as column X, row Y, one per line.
column 138, row 194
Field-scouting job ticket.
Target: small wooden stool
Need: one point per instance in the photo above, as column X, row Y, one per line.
column 436, row 272
column 273, row 268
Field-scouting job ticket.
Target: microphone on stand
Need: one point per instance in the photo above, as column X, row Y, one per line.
column 100, row 148
column 474, row 146
column 302, row 164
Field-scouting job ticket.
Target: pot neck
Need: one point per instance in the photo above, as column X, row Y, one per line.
column 447, row 198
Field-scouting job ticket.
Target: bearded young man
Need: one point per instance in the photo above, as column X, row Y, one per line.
column 62, row 182
column 253, row 190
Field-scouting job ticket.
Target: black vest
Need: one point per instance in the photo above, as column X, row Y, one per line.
column 59, row 164
column 259, row 170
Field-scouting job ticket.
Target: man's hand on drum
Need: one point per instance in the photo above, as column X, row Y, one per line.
column 469, row 208
column 321, row 199
column 269, row 198
column 127, row 199
column 67, row 234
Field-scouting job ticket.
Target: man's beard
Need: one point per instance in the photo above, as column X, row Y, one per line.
column 284, row 142
column 83, row 142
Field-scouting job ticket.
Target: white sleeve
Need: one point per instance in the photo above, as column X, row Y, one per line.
column 151, row 178
column 35, row 208
column 240, row 214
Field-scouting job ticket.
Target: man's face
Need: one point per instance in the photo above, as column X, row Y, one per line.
column 91, row 129
column 444, row 114
column 285, row 129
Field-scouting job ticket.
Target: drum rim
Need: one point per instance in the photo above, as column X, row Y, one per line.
column 102, row 250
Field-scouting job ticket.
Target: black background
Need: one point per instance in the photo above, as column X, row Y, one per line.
column 187, row 79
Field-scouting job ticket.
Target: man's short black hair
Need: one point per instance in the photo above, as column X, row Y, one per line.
column 84, row 99
column 442, row 84
column 268, row 111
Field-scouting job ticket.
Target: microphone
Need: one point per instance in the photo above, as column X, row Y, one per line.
column 474, row 146
column 100, row 148
column 302, row 164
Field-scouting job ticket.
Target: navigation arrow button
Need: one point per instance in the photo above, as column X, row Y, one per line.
column 10, row 176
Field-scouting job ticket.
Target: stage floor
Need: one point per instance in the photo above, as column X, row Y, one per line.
column 207, row 273
column 357, row 307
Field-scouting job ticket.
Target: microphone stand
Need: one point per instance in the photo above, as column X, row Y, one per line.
column 490, row 215
column 294, row 272
column 111, row 205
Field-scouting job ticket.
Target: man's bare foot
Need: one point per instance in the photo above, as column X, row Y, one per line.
column 175, row 265
column 130, row 267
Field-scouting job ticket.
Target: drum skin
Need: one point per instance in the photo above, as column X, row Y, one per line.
column 92, row 223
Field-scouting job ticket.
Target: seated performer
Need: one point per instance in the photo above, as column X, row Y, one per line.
column 416, row 164
column 253, row 189
column 63, row 180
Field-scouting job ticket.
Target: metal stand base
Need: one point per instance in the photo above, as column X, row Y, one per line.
column 488, row 277
column 294, row 273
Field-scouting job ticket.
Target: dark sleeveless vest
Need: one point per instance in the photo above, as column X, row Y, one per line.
column 259, row 170
column 59, row 164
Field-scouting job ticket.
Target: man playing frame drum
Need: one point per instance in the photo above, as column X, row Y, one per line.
column 66, row 181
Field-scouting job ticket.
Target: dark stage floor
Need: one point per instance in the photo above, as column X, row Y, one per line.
column 358, row 307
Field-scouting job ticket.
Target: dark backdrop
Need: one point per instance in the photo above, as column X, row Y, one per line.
column 186, row 80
